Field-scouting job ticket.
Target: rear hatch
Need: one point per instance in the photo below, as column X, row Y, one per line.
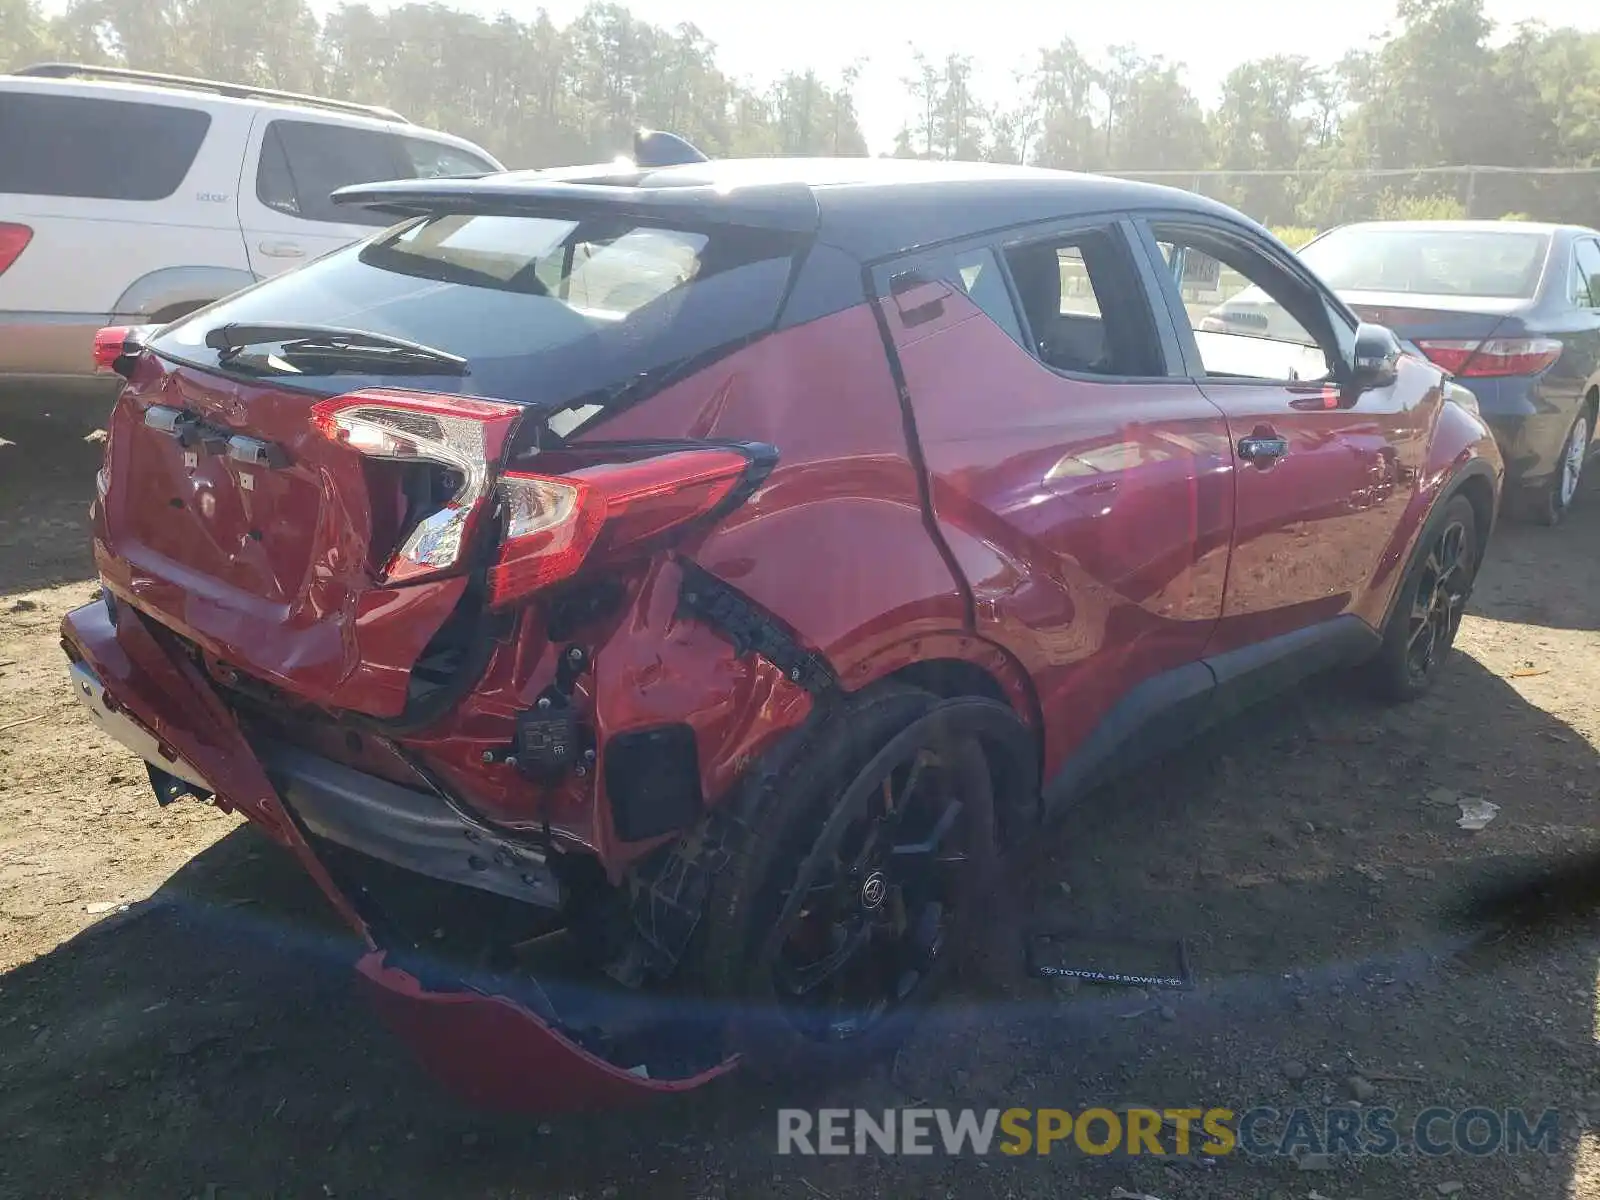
column 1471, row 337
column 1414, row 317
column 326, row 481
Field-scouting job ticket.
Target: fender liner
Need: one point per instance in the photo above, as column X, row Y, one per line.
column 1472, row 468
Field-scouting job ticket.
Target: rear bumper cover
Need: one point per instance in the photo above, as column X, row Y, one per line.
column 115, row 723
column 494, row 1053
column 1529, row 424
column 488, row 1049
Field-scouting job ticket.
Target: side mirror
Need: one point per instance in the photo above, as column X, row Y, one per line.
column 1375, row 362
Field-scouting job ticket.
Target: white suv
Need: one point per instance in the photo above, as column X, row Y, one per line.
column 132, row 198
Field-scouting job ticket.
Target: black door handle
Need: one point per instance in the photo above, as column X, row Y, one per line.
column 1260, row 449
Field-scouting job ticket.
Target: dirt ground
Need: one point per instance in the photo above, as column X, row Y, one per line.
column 177, row 1018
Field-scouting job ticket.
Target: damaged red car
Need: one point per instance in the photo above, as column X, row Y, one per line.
column 650, row 600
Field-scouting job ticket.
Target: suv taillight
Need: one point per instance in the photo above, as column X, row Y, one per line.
column 14, row 240
column 115, row 343
column 550, row 524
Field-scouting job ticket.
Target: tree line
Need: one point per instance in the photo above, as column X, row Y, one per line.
column 1440, row 90
column 533, row 93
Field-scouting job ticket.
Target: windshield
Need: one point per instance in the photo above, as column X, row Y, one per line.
column 1499, row 264
column 561, row 312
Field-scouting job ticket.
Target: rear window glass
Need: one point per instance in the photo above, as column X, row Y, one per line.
column 96, row 149
column 1489, row 263
column 567, row 313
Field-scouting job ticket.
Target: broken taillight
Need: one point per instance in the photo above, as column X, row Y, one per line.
column 553, row 522
column 462, row 434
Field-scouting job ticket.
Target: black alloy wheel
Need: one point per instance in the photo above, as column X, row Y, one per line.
column 1433, row 598
column 866, row 922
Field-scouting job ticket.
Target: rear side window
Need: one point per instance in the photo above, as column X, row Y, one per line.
column 571, row 313
column 304, row 162
column 1087, row 310
column 434, row 160
column 96, row 149
column 981, row 278
column 976, row 271
column 1586, row 274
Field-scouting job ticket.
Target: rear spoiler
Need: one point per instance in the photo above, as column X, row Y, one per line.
column 787, row 207
column 613, row 187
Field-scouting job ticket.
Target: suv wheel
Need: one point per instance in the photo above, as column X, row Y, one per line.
column 1421, row 629
column 855, row 890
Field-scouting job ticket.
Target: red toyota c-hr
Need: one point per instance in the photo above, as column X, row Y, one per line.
column 649, row 600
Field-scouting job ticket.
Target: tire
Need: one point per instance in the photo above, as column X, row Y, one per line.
column 1551, row 504
column 1429, row 605
column 770, row 902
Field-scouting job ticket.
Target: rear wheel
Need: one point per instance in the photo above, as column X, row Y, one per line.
column 1422, row 626
column 1552, row 502
column 855, row 890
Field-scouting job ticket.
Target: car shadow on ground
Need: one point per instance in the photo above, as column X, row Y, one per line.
column 1343, row 926
column 1534, row 583
column 47, row 471
column 211, row 1043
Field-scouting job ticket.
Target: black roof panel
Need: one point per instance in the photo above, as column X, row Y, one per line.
column 874, row 207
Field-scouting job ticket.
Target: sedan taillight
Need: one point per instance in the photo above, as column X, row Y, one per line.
column 1470, row 358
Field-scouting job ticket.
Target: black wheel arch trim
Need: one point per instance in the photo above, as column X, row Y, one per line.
column 1166, row 711
column 1474, row 468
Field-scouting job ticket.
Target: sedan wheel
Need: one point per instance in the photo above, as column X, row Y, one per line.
column 1572, row 460
column 1558, row 498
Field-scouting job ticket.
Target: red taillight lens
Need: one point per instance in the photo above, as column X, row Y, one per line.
column 14, row 240
column 460, row 433
column 115, row 343
column 1495, row 358
column 550, row 526
column 553, row 522
column 108, row 345
column 390, row 423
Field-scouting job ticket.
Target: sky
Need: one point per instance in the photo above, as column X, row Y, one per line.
column 759, row 42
